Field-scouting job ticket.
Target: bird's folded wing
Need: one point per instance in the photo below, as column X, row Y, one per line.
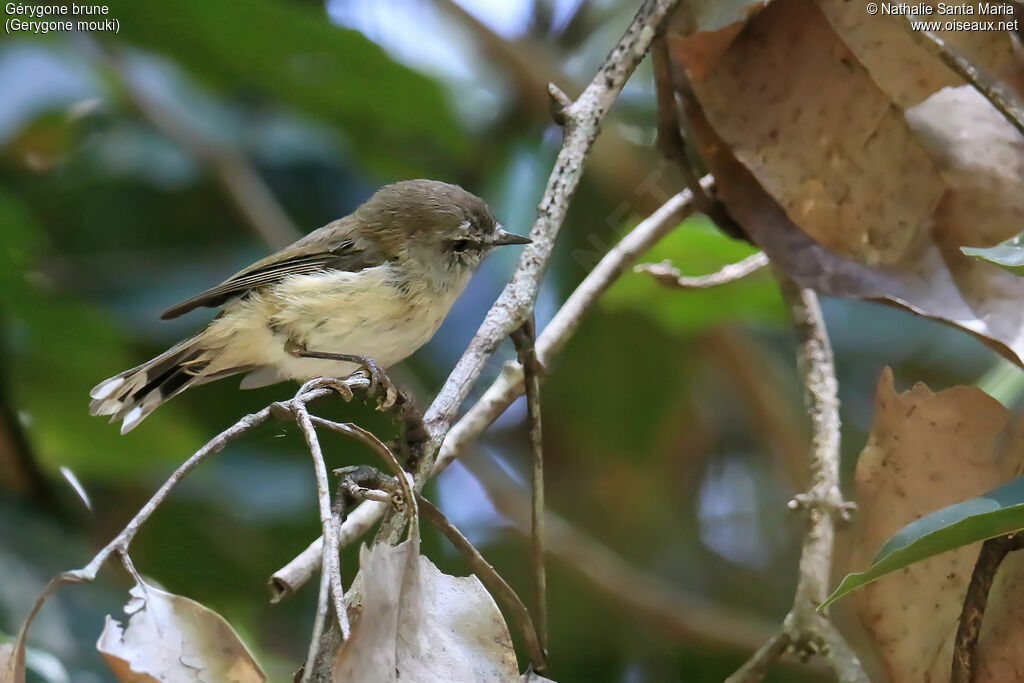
column 312, row 254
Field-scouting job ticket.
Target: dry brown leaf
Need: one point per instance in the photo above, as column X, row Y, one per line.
column 173, row 638
column 981, row 158
column 926, row 451
column 12, row 667
column 411, row 622
column 800, row 112
column 938, row 282
column 703, row 29
column 846, row 192
column 900, row 66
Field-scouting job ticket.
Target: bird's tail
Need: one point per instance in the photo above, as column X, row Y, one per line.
column 134, row 394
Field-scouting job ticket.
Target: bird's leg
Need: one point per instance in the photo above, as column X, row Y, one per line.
column 381, row 386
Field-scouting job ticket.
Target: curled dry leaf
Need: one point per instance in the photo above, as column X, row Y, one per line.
column 981, row 158
column 173, row 638
column 926, row 451
column 938, row 282
column 800, row 117
column 411, row 622
column 12, row 667
column 805, row 117
column 900, row 65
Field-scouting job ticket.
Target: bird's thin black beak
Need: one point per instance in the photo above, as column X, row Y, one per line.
column 503, row 238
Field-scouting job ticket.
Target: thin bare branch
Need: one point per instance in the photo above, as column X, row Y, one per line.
column 526, row 345
column 371, row 440
column 1001, row 97
column 668, row 275
column 993, row 552
column 509, row 385
column 810, row 632
column 123, row 540
column 495, row 584
column 293, row 575
column 320, row 627
column 331, row 563
column 681, row 616
column 755, row 668
column 515, row 304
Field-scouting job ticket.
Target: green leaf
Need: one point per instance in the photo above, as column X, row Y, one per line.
column 1009, row 254
column 697, row 247
column 58, row 346
column 398, row 121
column 998, row 512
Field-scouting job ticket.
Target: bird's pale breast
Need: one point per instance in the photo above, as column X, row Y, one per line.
column 364, row 313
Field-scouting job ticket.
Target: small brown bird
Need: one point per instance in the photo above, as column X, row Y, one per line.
column 366, row 289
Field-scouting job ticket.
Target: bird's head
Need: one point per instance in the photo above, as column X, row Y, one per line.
column 440, row 228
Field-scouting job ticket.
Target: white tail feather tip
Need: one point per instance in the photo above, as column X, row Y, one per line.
column 105, row 389
column 133, row 418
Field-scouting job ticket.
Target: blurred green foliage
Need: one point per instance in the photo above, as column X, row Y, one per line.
column 654, row 446
column 697, row 247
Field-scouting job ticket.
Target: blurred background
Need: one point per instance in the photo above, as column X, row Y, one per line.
column 141, row 168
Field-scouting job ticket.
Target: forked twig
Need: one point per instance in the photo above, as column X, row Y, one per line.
column 668, row 275
column 809, row 631
column 120, row 544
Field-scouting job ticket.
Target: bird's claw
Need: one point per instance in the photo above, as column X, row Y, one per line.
column 381, row 387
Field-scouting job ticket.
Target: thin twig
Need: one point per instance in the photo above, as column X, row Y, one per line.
column 293, row 575
column 515, row 304
column 1001, row 97
column 331, row 563
column 124, row 538
column 320, row 627
column 993, row 552
column 371, row 440
column 492, row 580
column 526, row 345
column 755, row 668
column 668, row 275
column 810, row 631
column 680, row 616
column 509, row 385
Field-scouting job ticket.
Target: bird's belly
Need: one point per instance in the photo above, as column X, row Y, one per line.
column 375, row 321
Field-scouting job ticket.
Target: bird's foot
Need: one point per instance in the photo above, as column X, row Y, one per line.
column 381, row 387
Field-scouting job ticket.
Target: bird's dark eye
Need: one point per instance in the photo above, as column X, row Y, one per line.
column 459, row 246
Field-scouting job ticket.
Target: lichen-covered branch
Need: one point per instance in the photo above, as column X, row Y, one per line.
column 581, row 123
column 807, row 629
